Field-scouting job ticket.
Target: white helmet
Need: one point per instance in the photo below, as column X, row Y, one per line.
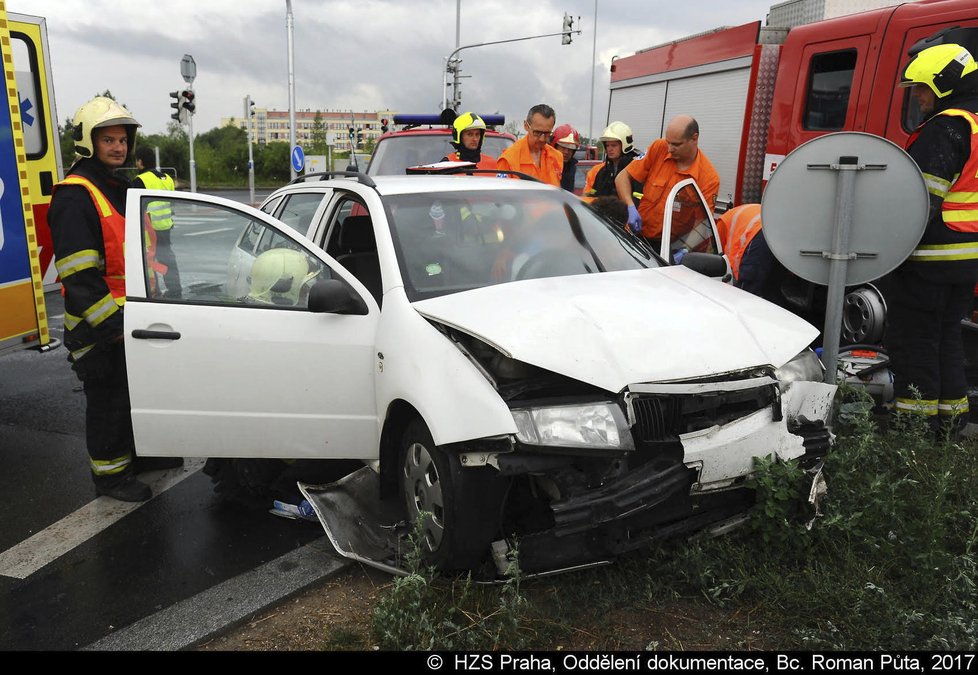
column 619, row 131
column 101, row 111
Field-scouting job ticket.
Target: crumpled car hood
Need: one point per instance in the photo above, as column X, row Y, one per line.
column 619, row 328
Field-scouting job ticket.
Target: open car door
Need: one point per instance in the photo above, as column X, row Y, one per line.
column 224, row 356
column 687, row 224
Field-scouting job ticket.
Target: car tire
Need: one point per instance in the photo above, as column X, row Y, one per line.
column 463, row 503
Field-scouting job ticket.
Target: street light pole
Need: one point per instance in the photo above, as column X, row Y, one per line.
column 251, row 159
column 594, row 51
column 289, row 25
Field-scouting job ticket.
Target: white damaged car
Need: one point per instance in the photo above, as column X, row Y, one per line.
column 510, row 367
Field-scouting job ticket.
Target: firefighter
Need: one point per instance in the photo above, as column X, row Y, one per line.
column 88, row 230
column 160, row 215
column 619, row 151
column 754, row 267
column 468, row 132
column 566, row 139
column 667, row 161
column 933, row 289
column 532, row 154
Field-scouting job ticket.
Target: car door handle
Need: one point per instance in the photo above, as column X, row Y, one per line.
column 143, row 334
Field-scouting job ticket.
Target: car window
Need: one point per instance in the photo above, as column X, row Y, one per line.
column 214, row 255
column 395, row 153
column 298, row 209
column 351, row 241
column 455, row 241
column 271, row 204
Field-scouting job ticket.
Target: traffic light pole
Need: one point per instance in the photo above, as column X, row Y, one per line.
column 193, row 164
column 449, row 65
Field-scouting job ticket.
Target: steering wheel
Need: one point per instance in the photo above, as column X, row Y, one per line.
column 549, row 263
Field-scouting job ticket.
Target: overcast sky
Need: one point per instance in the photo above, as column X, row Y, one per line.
column 356, row 54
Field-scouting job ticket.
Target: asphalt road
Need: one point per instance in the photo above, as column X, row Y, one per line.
column 81, row 572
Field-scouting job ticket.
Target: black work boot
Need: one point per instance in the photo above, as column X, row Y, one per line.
column 125, row 487
column 144, row 464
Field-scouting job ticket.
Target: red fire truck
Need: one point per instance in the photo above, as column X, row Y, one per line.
column 758, row 91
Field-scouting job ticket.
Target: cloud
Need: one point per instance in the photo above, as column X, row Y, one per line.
column 362, row 54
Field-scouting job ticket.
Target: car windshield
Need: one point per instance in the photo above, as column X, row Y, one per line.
column 448, row 242
column 395, row 153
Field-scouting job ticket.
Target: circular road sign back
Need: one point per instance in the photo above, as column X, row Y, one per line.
column 889, row 207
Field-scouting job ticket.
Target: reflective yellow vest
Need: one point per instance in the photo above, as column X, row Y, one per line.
column 160, row 213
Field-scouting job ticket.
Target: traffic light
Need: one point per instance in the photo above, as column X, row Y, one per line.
column 359, row 138
column 352, row 130
column 175, row 95
column 383, row 125
column 565, row 39
column 187, row 100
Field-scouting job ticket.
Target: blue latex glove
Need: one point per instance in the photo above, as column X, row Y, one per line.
column 634, row 221
column 677, row 256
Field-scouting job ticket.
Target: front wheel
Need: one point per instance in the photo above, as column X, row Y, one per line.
column 460, row 507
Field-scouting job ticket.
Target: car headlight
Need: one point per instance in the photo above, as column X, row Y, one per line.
column 592, row 425
column 804, row 367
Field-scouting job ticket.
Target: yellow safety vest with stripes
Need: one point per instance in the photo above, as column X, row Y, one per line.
column 160, row 213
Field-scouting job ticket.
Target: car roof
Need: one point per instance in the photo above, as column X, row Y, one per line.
column 399, row 185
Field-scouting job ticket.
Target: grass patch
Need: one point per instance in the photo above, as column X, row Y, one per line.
column 890, row 565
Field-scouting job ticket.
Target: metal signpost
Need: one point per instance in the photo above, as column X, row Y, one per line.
column 188, row 69
column 251, row 159
column 841, row 210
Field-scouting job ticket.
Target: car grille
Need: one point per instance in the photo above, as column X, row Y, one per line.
column 665, row 417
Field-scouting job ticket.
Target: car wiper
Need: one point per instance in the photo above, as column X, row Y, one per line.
column 578, row 231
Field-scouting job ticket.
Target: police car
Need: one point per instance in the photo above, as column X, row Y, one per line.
column 512, row 370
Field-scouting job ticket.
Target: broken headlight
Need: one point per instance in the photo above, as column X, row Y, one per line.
column 804, row 367
column 592, row 425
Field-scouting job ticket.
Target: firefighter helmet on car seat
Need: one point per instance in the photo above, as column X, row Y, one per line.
column 621, row 132
column 940, row 67
column 101, row 111
column 566, row 136
column 464, row 122
column 279, row 275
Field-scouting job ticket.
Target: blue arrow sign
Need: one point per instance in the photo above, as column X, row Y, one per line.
column 25, row 107
column 298, row 158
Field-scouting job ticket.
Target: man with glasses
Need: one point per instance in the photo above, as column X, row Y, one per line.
column 667, row 161
column 533, row 154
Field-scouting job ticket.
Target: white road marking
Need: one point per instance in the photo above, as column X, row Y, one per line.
column 75, row 529
column 197, row 234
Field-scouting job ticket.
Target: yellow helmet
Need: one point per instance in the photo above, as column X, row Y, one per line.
column 101, row 111
column 464, row 122
column 278, row 276
column 619, row 131
column 940, row 67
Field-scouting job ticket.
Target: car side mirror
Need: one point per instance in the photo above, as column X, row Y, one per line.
column 708, row 264
column 331, row 296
